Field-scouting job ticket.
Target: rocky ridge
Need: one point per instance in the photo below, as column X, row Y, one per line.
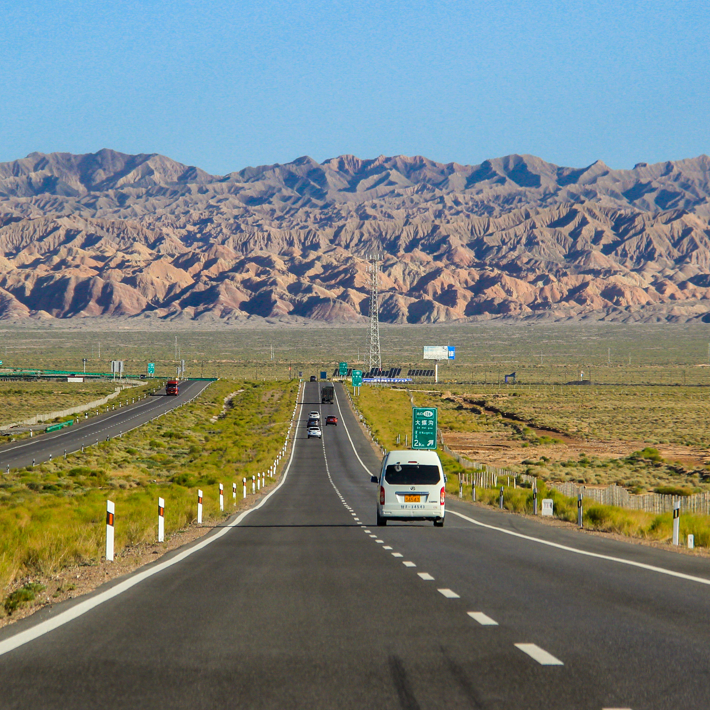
column 144, row 238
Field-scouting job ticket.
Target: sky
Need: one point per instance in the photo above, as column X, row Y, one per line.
column 228, row 84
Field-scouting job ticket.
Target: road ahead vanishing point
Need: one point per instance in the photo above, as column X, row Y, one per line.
column 303, row 603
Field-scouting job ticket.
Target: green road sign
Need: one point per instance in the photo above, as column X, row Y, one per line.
column 151, row 368
column 342, row 369
column 424, row 425
column 357, row 378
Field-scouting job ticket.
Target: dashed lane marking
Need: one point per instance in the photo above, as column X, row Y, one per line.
column 539, row 654
column 397, row 554
column 482, row 619
column 448, row 594
column 380, row 542
column 426, row 576
column 408, row 564
column 386, row 547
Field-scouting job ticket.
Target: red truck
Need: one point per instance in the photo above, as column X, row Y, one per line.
column 172, row 387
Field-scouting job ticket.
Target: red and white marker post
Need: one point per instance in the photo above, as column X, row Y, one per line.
column 234, row 492
column 244, row 487
column 253, row 485
column 161, row 520
column 110, row 511
column 221, row 496
column 199, row 507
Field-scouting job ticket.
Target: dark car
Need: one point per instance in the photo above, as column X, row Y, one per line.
column 312, row 422
column 331, row 419
column 313, row 378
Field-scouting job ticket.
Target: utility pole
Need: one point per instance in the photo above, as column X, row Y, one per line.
column 374, row 361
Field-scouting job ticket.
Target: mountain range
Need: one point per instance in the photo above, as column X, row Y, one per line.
column 145, row 238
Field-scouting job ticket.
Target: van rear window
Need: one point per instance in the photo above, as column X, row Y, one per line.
column 411, row 474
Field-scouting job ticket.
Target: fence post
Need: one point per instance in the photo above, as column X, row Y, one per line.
column 161, row 520
column 110, row 511
column 676, row 522
column 579, row 510
column 199, row 507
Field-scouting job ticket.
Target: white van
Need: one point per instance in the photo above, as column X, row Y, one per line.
column 411, row 487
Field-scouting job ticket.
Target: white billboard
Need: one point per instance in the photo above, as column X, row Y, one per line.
column 439, row 352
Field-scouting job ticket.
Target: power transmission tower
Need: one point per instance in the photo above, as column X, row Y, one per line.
column 374, row 360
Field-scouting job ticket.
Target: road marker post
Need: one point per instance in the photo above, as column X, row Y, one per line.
column 221, row 496
column 258, row 481
column 253, row 485
column 676, row 522
column 50, row 456
column 691, row 542
column 33, row 463
column 199, row 507
column 535, row 500
column 473, row 491
column 110, row 511
column 8, row 468
column 244, row 487
column 580, row 511
column 460, row 487
column 500, row 501
column 161, row 520
column 234, row 492
column 65, row 453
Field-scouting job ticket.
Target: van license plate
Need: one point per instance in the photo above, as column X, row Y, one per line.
column 412, row 499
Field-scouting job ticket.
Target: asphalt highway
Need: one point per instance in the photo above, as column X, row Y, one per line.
column 304, row 603
column 95, row 429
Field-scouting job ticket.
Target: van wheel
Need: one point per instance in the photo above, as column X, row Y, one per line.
column 439, row 523
column 380, row 520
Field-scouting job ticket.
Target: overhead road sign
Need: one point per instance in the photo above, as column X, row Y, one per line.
column 424, row 427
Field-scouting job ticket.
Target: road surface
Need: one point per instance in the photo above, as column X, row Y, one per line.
column 306, row 604
column 90, row 431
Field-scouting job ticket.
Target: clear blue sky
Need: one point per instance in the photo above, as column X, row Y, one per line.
column 223, row 84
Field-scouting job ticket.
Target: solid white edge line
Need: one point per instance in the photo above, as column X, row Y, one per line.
column 597, row 555
column 337, row 403
column 539, row 654
column 82, row 608
column 482, row 619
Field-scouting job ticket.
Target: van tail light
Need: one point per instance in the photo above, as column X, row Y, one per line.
column 382, row 495
column 442, row 495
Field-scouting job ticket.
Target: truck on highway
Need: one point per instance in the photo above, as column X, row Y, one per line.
column 172, row 387
column 327, row 394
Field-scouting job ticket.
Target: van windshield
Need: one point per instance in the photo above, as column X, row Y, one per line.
column 412, row 474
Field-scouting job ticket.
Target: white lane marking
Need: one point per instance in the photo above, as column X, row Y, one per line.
column 367, row 531
column 539, row 654
column 371, row 535
column 482, row 619
column 397, row 554
column 357, row 520
column 380, row 542
column 337, row 404
column 448, row 594
column 597, row 555
column 386, row 547
column 616, row 708
column 81, row 608
column 409, row 564
column 363, row 526
column 426, row 576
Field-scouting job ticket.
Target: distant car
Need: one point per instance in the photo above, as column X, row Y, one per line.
column 314, row 431
column 312, row 422
column 331, row 419
column 313, row 378
column 314, row 415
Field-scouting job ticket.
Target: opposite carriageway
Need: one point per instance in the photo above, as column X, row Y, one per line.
column 96, row 429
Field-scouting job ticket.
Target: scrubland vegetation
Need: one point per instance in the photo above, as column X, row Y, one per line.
column 53, row 515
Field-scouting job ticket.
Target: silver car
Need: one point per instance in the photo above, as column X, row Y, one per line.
column 314, row 431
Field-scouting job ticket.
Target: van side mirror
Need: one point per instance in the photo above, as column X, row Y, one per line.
column 373, row 479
